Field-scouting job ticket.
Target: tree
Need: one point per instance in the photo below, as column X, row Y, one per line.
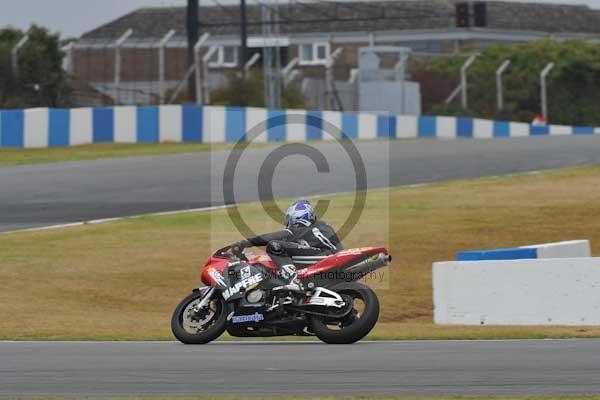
column 41, row 81
column 573, row 84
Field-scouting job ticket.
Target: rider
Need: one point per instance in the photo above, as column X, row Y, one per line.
column 305, row 241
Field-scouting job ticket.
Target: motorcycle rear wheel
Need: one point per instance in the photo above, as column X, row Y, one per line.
column 357, row 324
column 199, row 328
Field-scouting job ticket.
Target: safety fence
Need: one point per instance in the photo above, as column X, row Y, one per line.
column 45, row 127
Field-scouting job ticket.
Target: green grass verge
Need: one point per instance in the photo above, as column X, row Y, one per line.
column 10, row 157
column 121, row 280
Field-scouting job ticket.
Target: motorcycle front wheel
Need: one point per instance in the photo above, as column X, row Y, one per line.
column 203, row 326
column 353, row 326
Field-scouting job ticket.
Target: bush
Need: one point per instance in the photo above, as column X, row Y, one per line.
column 249, row 92
column 573, row 84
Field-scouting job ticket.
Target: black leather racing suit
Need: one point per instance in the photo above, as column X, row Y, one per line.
column 301, row 246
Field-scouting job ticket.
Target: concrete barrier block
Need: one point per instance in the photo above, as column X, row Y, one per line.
column 35, row 129
column 406, row 126
column 170, row 119
column 559, row 130
column 568, row 249
column 519, row 129
column 446, row 127
column 126, row 124
column 517, row 292
column 81, row 126
column 258, row 116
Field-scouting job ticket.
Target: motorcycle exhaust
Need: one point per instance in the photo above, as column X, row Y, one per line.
column 372, row 263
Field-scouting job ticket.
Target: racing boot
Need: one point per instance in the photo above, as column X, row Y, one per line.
column 289, row 274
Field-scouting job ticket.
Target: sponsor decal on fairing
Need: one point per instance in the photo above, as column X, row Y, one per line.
column 256, row 317
column 244, row 283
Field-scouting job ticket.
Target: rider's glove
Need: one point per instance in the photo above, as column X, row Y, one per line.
column 240, row 246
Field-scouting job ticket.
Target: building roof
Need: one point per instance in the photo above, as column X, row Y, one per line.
column 353, row 16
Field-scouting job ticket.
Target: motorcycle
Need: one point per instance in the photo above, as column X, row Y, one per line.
column 244, row 296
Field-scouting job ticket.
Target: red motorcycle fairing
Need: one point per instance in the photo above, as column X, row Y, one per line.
column 217, row 264
column 341, row 259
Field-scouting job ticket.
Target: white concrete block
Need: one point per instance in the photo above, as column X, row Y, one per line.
column 519, row 129
column 255, row 117
column 446, row 127
column 82, row 126
column 406, row 126
column 518, row 292
column 334, row 118
column 367, row 126
column 125, row 124
column 170, row 123
column 35, row 127
column 483, row 128
column 558, row 130
column 296, row 132
column 568, row 249
column 214, row 124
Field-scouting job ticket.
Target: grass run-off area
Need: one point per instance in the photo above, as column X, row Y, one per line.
column 9, row 156
column 121, row 280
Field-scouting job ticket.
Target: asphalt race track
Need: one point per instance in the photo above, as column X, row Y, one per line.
column 42, row 195
column 425, row 368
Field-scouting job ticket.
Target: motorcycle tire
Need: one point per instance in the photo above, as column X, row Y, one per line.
column 216, row 329
column 356, row 330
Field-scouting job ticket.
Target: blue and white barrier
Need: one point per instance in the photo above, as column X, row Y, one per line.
column 569, row 249
column 210, row 124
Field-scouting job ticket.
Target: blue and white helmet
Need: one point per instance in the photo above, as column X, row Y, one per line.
column 301, row 212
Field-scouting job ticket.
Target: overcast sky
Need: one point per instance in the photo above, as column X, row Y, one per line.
column 73, row 17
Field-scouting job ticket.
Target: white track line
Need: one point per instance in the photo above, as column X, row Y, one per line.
column 104, row 220
column 204, row 209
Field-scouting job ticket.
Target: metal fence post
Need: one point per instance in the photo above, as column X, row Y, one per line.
column 329, row 79
column 68, row 60
column 199, row 67
column 400, row 68
column 463, row 80
column 118, row 44
column 15, row 54
column 543, row 93
column 161, row 64
column 251, row 62
column 499, row 90
column 287, row 71
column 205, row 89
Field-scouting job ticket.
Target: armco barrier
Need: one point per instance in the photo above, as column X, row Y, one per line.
column 569, row 249
column 517, row 292
column 210, row 124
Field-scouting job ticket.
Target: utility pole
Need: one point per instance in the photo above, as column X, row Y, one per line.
column 193, row 33
column 271, row 55
column 243, row 37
